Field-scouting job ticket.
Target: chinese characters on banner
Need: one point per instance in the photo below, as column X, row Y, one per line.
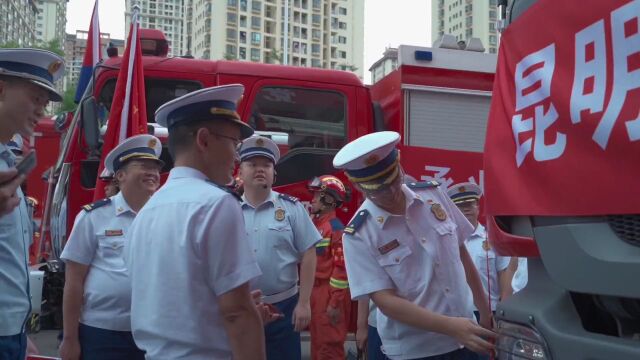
column 564, row 127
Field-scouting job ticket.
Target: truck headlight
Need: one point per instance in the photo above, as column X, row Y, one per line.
column 518, row 342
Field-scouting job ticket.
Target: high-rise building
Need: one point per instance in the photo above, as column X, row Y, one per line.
column 165, row 15
column 18, row 22
column 74, row 49
column 465, row 19
column 51, row 21
column 322, row 33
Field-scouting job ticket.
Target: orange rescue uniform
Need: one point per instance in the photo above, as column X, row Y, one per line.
column 330, row 288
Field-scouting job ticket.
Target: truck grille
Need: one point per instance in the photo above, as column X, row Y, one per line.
column 627, row 227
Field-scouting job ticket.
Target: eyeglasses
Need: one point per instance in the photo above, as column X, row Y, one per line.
column 236, row 142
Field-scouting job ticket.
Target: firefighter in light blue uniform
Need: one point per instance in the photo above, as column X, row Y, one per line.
column 404, row 248
column 27, row 78
column 283, row 236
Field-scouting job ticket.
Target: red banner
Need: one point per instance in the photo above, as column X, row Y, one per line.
column 128, row 115
column 564, row 128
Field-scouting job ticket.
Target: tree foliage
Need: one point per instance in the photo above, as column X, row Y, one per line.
column 52, row 45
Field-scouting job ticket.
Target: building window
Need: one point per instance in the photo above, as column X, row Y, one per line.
column 255, row 22
column 343, row 54
column 243, row 21
column 243, row 53
column 256, row 6
column 493, row 40
column 492, row 14
column 315, row 34
column 232, row 3
column 243, row 37
column 231, row 34
column 342, row 11
column 243, row 5
column 255, row 54
column 315, row 19
column 256, row 38
column 232, row 18
column 342, row 39
column 231, row 51
column 492, row 50
column 342, row 25
column 315, row 49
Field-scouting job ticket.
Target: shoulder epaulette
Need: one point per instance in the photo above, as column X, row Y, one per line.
column 290, row 198
column 225, row 189
column 423, row 184
column 97, row 204
column 336, row 224
column 356, row 222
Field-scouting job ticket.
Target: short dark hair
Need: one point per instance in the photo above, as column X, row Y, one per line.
column 181, row 135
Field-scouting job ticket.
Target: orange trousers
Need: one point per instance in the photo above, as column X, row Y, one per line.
column 327, row 340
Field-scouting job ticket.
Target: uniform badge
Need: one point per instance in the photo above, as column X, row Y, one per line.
column 486, row 246
column 117, row 232
column 380, row 219
column 438, row 212
column 152, row 143
column 260, row 142
column 54, row 67
column 371, row 160
column 388, row 246
column 280, row 214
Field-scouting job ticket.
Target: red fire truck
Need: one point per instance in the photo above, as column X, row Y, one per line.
column 561, row 161
column 437, row 98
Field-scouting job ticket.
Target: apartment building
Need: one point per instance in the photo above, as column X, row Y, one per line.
column 466, row 19
column 321, row 33
column 165, row 15
column 18, row 22
column 74, row 49
column 51, row 21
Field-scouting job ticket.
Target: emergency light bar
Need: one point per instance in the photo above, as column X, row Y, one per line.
column 422, row 55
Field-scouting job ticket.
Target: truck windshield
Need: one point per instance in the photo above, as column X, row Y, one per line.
column 312, row 118
column 157, row 91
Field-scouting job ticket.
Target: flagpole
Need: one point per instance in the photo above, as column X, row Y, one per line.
column 124, row 116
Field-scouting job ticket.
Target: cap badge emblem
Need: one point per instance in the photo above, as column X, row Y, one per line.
column 371, row 160
column 54, row 67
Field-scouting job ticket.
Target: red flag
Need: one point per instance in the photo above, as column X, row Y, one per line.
column 128, row 115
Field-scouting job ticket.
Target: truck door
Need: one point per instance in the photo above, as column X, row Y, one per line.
column 309, row 122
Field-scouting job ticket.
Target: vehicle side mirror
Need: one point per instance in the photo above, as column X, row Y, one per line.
column 62, row 121
column 89, row 118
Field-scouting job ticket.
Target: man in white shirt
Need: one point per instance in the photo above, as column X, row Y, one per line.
column 404, row 248
column 493, row 269
column 97, row 295
column 188, row 257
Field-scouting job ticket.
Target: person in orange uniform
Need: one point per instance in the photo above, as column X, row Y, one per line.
column 330, row 298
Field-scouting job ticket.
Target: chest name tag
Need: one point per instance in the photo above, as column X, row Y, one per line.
column 388, row 246
column 113, row 232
